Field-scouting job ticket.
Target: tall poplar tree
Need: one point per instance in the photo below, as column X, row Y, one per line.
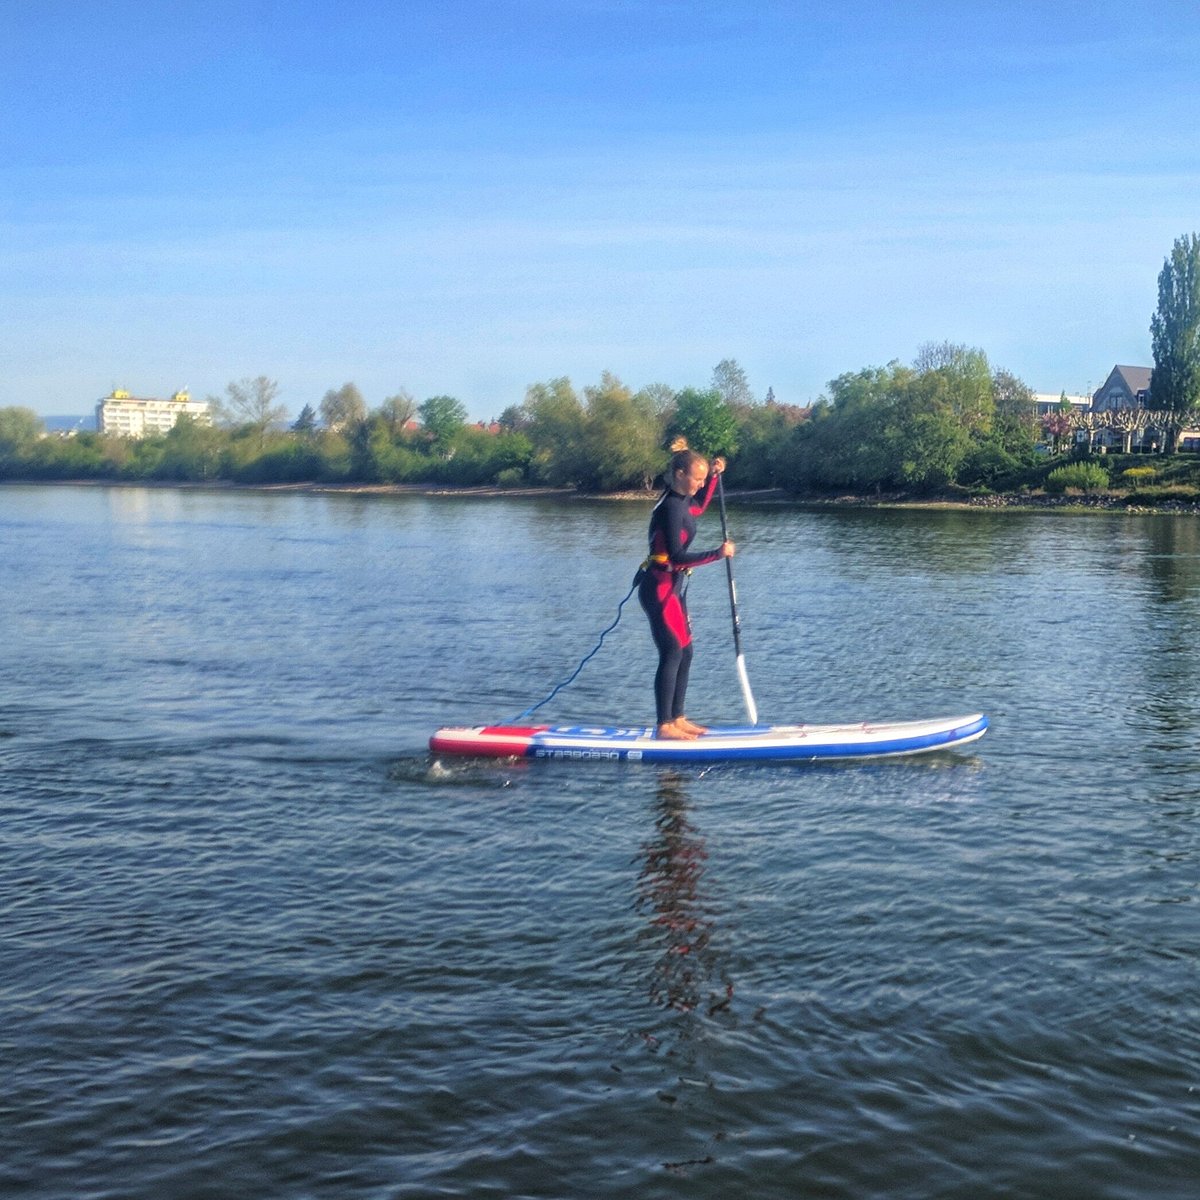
column 1175, row 334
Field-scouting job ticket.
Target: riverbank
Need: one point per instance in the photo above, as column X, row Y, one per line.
column 1017, row 501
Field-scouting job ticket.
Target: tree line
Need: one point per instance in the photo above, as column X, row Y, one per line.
column 948, row 420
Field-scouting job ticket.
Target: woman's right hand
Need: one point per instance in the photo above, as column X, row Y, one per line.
column 727, row 549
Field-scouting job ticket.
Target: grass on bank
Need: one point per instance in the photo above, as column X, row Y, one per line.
column 1135, row 479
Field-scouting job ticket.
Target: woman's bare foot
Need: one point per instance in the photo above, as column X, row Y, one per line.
column 675, row 731
column 690, row 726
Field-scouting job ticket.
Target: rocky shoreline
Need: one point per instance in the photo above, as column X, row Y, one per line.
column 1016, row 501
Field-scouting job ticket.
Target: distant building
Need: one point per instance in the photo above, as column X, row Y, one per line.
column 1117, row 418
column 1050, row 402
column 1125, row 387
column 127, row 416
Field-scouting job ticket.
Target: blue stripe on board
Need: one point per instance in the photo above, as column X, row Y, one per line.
column 697, row 751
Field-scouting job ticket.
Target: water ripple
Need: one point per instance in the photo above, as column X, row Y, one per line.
column 259, row 942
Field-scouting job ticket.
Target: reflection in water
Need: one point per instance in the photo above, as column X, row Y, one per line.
column 686, row 979
column 1168, row 655
column 680, row 922
column 1173, row 561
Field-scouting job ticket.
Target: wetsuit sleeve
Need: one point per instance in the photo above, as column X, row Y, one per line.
column 699, row 504
column 676, row 538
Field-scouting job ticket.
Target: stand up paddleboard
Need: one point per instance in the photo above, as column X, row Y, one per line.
column 746, row 743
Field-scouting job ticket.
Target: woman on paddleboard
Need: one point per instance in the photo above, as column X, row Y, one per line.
column 662, row 589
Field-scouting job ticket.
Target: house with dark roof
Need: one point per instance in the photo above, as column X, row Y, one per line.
column 1120, row 418
column 1125, row 387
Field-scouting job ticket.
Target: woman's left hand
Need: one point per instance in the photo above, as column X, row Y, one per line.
column 718, row 465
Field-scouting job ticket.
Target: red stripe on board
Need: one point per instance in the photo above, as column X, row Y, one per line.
column 498, row 741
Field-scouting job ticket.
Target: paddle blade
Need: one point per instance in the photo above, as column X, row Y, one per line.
column 747, row 697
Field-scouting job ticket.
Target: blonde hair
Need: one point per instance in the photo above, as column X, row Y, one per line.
column 682, row 458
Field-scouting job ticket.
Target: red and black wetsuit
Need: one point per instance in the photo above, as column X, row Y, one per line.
column 662, row 592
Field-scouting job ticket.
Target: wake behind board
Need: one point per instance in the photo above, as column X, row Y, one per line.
column 747, row 743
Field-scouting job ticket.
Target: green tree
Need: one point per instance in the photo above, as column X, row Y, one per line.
column 190, row 451
column 706, row 421
column 856, row 443
column 252, row 402
column 930, row 440
column 967, row 380
column 959, row 436
column 375, row 456
column 1015, row 422
column 932, row 356
column 946, row 420
column 730, row 383
column 336, row 456
column 882, row 428
column 290, row 460
column 20, row 429
column 1175, row 335
column 306, row 422
column 481, row 456
column 555, row 427
column 515, row 418
column 1001, row 453
column 658, row 398
column 765, row 433
column 442, row 417
column 343, row 408
column 396, row 412
column 621, row 438
column 955, row 429
column 146, row 454
column 84, row 456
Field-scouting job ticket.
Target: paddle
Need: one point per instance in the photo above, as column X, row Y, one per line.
column 743, row 679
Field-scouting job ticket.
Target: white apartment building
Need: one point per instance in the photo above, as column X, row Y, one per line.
column 1048, row 402
column 128, row 416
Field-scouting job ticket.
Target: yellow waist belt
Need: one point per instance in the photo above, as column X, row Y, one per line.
column 664, row 560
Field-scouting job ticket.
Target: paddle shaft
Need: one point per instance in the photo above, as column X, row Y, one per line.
column 733, row 612
column 743, row 678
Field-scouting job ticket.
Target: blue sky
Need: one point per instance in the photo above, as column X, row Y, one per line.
column 466, row 197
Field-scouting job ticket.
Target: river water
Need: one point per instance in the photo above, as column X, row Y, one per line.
column 257, row 942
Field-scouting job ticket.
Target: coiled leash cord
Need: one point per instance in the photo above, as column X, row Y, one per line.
column 586, row 658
